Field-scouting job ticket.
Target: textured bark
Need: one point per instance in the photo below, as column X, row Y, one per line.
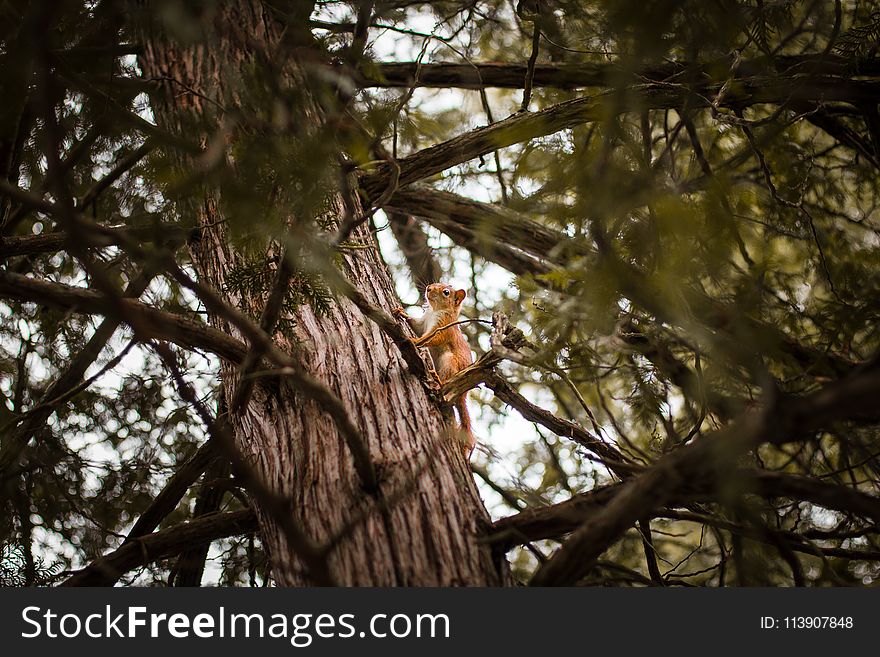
column 424, row 526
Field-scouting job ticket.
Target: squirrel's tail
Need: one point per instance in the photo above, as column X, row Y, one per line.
column 468, row 442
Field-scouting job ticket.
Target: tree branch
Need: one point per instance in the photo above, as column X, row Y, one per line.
column 706, row 462
column 167, row 234
column 161, row 545
column 189, row 568
column 162, row 325
column 582, row 75
column 423, row 267
column 523, row 127
column 121, row 168
column 557, row 520
column 169, row 497
column 523, row 247
column 17, row 439
column 485, row 223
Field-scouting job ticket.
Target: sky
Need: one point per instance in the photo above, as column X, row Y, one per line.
column 500, row 436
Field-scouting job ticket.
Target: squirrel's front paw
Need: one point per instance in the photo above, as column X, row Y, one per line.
column 399, row 312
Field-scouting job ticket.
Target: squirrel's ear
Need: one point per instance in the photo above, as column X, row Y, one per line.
column 459, row 296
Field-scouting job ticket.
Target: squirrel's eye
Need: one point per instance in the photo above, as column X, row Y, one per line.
column 445, row 293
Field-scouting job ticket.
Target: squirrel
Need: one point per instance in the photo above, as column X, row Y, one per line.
column 449, row 348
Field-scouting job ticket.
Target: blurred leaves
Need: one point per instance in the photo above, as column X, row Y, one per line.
column 680, row 287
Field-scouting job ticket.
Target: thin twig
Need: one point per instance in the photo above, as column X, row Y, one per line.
column 530, row 68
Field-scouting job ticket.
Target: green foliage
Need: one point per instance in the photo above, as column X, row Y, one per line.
column 701, row 254
column 253, row 279
column 860, row 40
column 14, row 567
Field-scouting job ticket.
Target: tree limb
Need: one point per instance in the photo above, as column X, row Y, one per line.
column 169, row 497
column 161, row 545
column 523, row 127
column 706, row 462
column 106, row 236
column 163, row 325
column 581, row 75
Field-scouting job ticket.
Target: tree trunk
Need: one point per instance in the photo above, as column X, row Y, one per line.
column 430, row 534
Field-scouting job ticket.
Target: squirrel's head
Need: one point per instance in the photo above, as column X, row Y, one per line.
column 440, row 296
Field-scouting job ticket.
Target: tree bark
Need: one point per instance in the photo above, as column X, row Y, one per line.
column 424, row 525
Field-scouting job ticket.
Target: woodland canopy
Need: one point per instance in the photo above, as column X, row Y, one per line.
column 665, row 216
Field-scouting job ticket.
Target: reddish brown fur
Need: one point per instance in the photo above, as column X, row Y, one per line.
column 449, row 348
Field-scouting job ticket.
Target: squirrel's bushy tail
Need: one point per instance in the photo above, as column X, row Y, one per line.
column 468, row 442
